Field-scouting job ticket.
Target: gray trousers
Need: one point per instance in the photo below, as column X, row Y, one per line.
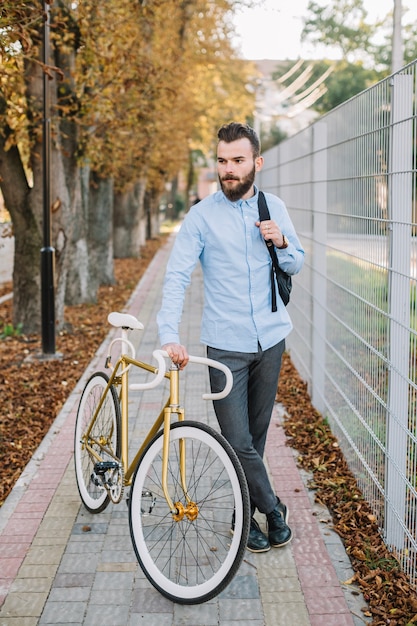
column 245, row 414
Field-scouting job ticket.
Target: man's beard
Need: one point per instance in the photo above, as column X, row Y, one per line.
column 239, row 190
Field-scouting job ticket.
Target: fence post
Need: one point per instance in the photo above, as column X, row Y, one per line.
column 400, row 215
column 319, row 208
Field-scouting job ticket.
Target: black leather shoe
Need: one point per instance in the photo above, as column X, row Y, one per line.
column 257, row 541
column 279, row 533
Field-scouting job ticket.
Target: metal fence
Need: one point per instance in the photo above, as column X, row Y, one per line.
column 349, row 182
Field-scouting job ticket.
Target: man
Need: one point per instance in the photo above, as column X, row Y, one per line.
column 238, row 326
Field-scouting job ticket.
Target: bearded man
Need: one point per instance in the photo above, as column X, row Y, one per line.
column 239, row 327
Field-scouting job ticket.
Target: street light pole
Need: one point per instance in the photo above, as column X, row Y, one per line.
column 47, row 252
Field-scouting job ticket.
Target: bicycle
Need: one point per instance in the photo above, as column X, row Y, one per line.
column 189, row 505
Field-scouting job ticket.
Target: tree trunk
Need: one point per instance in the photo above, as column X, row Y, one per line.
column 19, row 198
column 66, row 214
column 152, row 201
column 100, row 230
column 129, row 222
column 155, row 216
column 79, row 287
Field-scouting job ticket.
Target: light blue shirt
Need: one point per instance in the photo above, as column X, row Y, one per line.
column 236, row 271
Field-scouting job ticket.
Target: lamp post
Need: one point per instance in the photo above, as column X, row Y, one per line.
column 47, row 251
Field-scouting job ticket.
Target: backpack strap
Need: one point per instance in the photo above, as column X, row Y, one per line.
column 265, row 215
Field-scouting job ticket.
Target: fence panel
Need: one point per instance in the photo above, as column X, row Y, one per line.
column 349, row 182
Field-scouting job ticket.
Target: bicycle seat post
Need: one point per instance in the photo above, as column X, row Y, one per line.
column 125, row 347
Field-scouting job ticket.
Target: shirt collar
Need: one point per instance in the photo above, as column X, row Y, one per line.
column 220, row 197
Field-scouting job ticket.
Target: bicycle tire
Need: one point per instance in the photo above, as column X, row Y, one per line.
column 106, row 428
column 190, row 562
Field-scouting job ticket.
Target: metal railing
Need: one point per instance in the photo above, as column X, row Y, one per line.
column 349, row 183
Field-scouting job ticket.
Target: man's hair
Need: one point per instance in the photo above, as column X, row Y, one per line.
column 234, row 131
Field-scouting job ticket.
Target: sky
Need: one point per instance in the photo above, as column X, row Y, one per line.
column 273, row 29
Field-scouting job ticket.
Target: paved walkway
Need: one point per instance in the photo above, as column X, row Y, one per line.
column 61, row 565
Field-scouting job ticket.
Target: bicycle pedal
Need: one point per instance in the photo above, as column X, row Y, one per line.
column 147, row 496
column 96, row 480
column 104, row 466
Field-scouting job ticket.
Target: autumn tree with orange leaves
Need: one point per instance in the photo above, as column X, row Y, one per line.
column 136, row 87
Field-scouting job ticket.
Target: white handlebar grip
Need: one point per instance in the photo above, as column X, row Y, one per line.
column 223, row 368
column 159, row 356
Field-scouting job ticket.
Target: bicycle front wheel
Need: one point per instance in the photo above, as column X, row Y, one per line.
column 190, row 557
column 103, row 440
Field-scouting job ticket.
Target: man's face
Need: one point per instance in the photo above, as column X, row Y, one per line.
column 236, row 167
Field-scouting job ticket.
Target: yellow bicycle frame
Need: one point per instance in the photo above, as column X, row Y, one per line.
column 172, row 407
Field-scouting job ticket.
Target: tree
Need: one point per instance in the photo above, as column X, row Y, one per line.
column 382, row 53
column 135, row 86
column 345, row 81
column 341, row 25
column 21, row 83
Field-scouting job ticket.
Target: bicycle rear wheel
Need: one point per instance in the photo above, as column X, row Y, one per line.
column 190, row 560
column 104, row 439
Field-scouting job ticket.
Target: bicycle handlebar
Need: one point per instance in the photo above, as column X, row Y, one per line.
column 160, row 355
column 219, row 366
column 128, row 322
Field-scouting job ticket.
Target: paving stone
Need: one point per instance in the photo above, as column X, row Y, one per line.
column 72, row 563
column 287, row 614
column 84, row 547
column 117, row 567
column 38, row 571
column 198, row 614
column 150, row 601
column 23, row 604
column 118, row 556
column 111, row 596
column 240, row 609
column 63, row 613
column 241, row 587
column 114, row 580
column 31, row 584
column 73, row 580
column 156, row 619
column 94, row 528
column 69, row 594
column 106, row 615
column 44, row 555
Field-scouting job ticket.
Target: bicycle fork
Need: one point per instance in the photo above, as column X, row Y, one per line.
column 178, row 510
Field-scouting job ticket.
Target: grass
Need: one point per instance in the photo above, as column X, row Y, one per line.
column 9, row 330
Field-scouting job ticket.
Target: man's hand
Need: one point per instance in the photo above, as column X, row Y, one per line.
column 177, row 353
column 270, row 231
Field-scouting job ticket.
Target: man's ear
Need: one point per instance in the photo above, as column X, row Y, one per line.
column 259, row 162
